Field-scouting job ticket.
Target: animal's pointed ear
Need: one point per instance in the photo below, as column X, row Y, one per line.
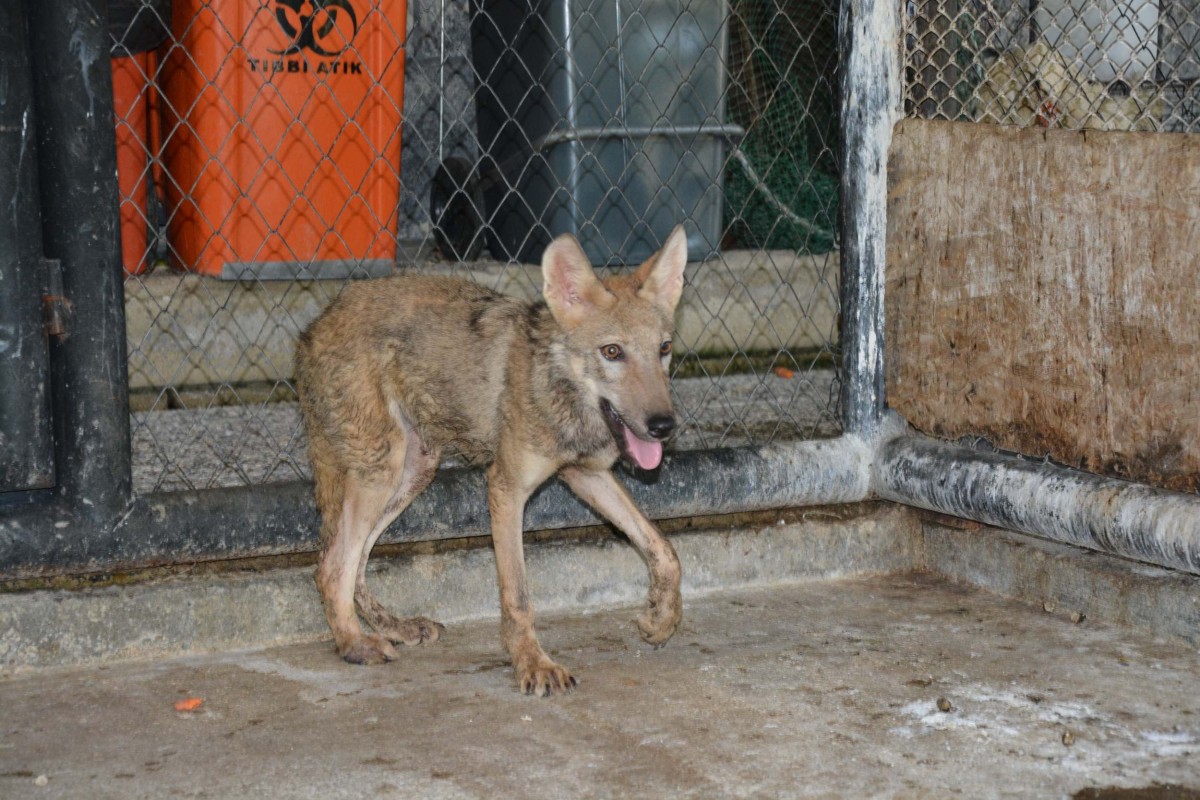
column 661, row 276
column 570, row 287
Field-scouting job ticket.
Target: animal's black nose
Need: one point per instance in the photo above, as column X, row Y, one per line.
column 660, row 425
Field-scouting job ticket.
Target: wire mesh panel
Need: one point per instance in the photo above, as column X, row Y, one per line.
column 273, row 150
column 1098, row 64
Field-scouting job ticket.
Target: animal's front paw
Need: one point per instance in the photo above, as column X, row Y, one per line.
column 542, row 677
column 412, row 631
column 368, row 649
column 660, row 619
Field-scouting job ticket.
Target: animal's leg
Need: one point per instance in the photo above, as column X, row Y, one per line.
column 419, row 467
column 536, row 673
column 603, row 492
column 362, row 504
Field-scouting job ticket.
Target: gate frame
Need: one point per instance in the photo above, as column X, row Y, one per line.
column 92, row 522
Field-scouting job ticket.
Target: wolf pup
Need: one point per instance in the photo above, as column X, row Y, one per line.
column 397, row 370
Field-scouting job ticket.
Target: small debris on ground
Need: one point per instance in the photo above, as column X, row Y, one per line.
column 189, row 703
column 1068, row 738
column 41, row 780
column 784, row 372
column 944, row 706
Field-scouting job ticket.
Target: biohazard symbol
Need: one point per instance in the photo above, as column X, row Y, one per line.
column 323, row 27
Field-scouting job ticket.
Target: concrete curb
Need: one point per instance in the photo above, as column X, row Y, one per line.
column 240, row 610
column 1069, row 582
column 224, row 611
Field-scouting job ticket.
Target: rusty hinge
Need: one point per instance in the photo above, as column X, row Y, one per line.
column 56, row 308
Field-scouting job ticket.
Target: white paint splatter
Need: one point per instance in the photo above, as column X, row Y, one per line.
column 20, row 161
column 86, row 57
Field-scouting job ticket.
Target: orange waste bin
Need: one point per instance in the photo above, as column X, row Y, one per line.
column 281, row 135
column 131, row 101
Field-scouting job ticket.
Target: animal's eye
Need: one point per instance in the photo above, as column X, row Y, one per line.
column 612, row 352
column 664, row 349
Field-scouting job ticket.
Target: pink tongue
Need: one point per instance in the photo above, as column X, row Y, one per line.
column 648, row 455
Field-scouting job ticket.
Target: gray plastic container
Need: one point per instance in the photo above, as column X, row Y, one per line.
column 601, row 118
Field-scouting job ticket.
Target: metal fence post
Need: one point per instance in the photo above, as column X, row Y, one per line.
column 25, row 435
column 869, row 47
column 69, row 48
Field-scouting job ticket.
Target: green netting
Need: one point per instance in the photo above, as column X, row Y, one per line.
column 782, row 179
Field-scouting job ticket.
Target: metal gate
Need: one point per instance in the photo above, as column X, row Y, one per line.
column 268, row 151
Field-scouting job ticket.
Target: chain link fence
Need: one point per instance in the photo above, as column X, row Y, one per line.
column 272, row 150
column 1126, row 65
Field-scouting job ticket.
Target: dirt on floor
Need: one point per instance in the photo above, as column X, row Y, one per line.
column 887, row 687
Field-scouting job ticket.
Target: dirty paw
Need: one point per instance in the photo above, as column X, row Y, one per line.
column 658, row 623
column 412, row 631
column 545, row 678
column 369, row 649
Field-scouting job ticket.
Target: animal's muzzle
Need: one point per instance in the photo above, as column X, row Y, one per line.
column 660, row 426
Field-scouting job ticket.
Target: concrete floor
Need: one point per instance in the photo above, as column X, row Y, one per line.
column 827, row 688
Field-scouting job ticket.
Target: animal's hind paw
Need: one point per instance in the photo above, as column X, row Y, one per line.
column 369, row 650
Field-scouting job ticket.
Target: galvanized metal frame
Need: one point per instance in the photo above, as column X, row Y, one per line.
column 1067, row 505
column 869, row 47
